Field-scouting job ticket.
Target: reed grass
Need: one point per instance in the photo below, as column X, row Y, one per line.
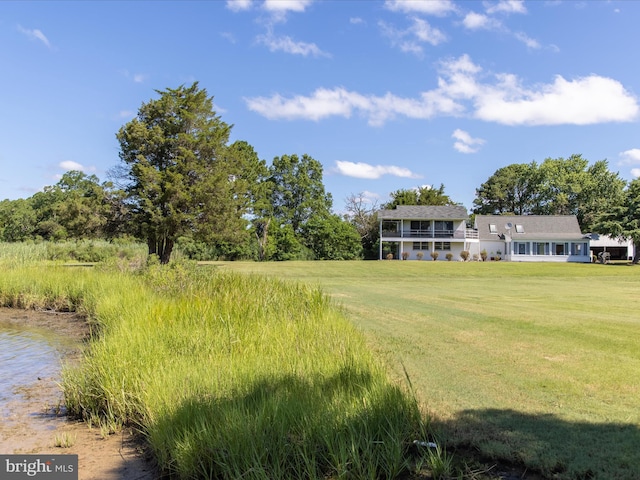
column 228, row 375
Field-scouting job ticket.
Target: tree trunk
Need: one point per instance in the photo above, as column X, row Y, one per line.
column 636, row 247
column 262, row 230
column 161, row 247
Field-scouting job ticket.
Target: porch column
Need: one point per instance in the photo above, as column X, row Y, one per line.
column 380, row 236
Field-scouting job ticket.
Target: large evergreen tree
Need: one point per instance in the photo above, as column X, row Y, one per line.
column 178, row 172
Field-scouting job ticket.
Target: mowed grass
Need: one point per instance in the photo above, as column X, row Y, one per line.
column 533, row 363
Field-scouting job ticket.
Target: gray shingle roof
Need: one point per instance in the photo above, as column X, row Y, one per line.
column 424, row 212
column 542, row 227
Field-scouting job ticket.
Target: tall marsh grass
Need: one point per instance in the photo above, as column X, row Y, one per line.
column 228, row 375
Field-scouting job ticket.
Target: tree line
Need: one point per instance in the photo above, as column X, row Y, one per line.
column 180, row 182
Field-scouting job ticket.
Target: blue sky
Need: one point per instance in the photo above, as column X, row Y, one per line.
column 385, row 94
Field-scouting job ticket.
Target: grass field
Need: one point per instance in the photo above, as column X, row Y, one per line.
column 533, row 363
column 227, row 375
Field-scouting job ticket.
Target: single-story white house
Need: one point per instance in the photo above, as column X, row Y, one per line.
column 533, row 238
column 413, row 232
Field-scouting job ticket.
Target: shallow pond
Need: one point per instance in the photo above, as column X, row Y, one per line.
column 33, row 346
column 27, row 355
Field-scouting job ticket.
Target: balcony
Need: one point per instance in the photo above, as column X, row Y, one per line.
column 468, row 233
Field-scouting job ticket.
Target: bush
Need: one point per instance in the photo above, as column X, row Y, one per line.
column 389, row 256
column 419, row 255
column 434, row 255
column 449, row 256
column 483, row 255
column 464, row 255
column 405, row 255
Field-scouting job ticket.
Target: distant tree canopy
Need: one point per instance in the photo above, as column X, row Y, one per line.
column 555, row 187
column 78, row 206
column 623, row 219
column 425, row 195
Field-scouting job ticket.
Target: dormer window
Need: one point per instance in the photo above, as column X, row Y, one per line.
column 493, row 228
column 519, row 228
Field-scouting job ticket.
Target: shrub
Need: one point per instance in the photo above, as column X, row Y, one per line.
column 405, row 255
column 464, row 255
column 434, row 255
column 483, row 255
column 389, row 256
column 449, row 256
column 419, row 255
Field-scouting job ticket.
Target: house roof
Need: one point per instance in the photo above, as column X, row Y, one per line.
column 529, row 227
column 424, row 212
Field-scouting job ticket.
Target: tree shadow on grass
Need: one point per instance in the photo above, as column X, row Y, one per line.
column 550, row 445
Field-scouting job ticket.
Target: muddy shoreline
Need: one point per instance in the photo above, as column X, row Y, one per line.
column 34, row 419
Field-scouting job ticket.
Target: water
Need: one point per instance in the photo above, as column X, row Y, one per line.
column 28, row 355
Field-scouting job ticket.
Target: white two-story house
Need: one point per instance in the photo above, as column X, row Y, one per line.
column 417, row 231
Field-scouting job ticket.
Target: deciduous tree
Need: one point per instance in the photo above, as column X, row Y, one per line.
column 623, row 220
column 424, row 195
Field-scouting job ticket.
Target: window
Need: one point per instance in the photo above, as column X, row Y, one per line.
column 560, row 248
column 521, row 248
column 443, row 228
column 519, row 228
column 421, row 245
column 493, row 228
column 540, row 248
column 578, row 249
column 390, row 226
column 420, row 224
column 442, row 246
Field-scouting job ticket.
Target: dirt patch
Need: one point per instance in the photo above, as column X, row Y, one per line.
column 34, row 420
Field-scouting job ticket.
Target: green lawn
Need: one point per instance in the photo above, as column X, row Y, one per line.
column 536, row 363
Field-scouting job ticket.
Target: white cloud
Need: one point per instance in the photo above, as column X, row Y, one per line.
column 426, row 33
column 365, row 170
column 635, row 172
column 356, row 21
column 288, row 45
column 464, row 89
column 239, row 5
column 136, row 77
column 583, row 101
column 430, row 7
column 286, row 5
column 630, row 157
column 341, row 102
column 465, row 143
column 478, row 21
column 411, row 39
column 71, row 165
column 528, row 41
column 370, row 197
column 35, row 34
column 506, row 6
